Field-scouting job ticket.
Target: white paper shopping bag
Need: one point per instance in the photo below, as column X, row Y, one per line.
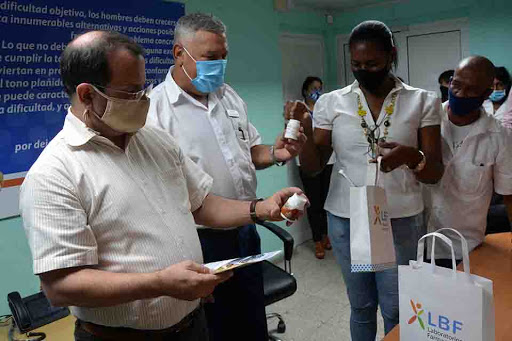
column 444, row 304
column 371, row 236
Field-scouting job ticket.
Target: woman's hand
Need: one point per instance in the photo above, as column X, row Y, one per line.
column 287, row 149
column 296, row 110
column 395, row 155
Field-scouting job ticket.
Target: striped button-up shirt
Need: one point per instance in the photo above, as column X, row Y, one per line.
column 86, row 202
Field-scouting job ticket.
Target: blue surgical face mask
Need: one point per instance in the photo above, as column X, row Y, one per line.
column 462, row 106
column 210, row 74
column 497, row 95
column 315, row 94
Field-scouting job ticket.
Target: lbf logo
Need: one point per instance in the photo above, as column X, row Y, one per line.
column 381, row 216
column 416, row 308
column 442, row 322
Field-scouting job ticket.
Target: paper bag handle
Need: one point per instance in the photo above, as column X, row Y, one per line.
column 378, row 163
column 345, row 175
column 421, row 249
column 465, row 250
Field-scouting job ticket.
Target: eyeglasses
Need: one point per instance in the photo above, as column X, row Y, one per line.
column 134, row 96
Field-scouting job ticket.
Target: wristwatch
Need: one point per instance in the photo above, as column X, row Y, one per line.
column 274, row 160
column 252, row 211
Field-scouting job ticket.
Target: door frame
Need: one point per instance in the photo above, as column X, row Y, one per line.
column 401, row 34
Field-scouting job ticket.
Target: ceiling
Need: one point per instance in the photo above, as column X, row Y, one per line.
column 336, row 5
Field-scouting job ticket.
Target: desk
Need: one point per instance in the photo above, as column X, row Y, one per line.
column 493, row 260
column 61, row 330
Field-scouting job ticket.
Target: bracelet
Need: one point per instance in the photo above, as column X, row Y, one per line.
column 420, row 166
column 252, row 211
column 274, row 160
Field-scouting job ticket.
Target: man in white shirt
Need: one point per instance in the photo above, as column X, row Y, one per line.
column 477, row 158
column 110, row 206
column 209, row 120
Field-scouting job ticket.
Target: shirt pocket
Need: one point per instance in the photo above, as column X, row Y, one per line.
column 174, row 191
column 469, row 178
column 240, row 129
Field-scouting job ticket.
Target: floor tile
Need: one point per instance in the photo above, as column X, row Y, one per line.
column 319, row 310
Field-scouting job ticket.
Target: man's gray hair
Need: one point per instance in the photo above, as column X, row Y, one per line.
column 189, row 24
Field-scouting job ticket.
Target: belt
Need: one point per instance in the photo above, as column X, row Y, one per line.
column 123, row 333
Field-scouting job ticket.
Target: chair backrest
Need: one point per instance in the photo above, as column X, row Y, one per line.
column 287, row 240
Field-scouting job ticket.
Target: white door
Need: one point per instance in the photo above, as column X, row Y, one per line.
column 431, row 54
column 424, row 52
column 302, row 55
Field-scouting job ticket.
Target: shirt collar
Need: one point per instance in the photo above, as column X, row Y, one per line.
column 76, row 133
column 399, row 85
column 178, row 96
column 174, row 92
column 485, row 124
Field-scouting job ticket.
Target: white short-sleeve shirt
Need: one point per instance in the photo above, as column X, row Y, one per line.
column 87, row 202
column 218, row 138
column 481, row 165
column 331, row 160
column 337, row 111
column 498, row 114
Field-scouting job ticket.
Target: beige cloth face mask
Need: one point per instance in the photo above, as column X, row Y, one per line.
column 123, row 115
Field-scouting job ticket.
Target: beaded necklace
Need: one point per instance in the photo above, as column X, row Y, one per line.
column 370, row 133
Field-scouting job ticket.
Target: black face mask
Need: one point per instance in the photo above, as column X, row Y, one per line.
column 371, row 80
column 444, row 93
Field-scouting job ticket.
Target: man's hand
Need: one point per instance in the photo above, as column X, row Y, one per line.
column 395, row 155
column 189, row 281
column 287, row 149
column 270, row 208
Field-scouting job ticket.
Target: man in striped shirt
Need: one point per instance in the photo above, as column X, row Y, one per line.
column 110, row 206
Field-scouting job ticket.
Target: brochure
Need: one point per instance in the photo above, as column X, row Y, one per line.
column 230, row 264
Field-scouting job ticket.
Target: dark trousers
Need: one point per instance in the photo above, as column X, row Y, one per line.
column 316, row 188
column 497, row 217
column 446, row 263
column 238, row 312
column 197, row 331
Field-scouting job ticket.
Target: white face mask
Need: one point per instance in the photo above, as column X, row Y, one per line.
column 124, row 115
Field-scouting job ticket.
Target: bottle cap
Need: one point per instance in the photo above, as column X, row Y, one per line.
column 296, row 201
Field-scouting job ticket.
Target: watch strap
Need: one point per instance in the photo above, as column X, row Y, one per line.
column 252, row 211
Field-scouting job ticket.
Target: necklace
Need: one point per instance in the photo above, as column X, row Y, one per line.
column 373, row 135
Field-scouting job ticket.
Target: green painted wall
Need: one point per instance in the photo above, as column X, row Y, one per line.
column 489, row 22
column 15, row 263
column 490, row 31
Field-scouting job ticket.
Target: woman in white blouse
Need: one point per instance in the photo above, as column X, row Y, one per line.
column 502, row 84
column 376, row 115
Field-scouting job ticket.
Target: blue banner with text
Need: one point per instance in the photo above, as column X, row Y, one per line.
column 33, row 103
